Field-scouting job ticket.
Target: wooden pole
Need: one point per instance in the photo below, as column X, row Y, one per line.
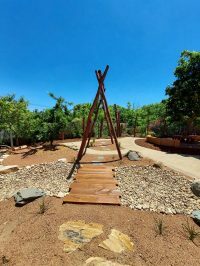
column 101, row 85
column 89, row 120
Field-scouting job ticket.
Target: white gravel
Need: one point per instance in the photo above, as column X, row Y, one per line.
column 154, row 189
column 50, row 177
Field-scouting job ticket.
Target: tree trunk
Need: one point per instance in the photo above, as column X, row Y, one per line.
column 135, row 125
column 101, row 128
column 11, row 139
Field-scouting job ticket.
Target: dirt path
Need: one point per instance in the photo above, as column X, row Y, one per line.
column 186, row 164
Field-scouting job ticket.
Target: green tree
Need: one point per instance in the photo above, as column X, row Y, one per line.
column 183, row 103
column 54, row 120
column 14, row 117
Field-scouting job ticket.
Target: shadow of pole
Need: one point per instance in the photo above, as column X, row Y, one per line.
column 76, row 164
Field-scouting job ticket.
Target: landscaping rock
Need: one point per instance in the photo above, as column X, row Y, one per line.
column 64, row 160
column 49, row 177
column 61, row 194
column 158, row 165
column 133, row 156
column 156, row 189
column 98, row 261
column 196, row 215
column 75, row 234
column 195, row 187
column 26, row 195
column 8, row 169
column 117, row 242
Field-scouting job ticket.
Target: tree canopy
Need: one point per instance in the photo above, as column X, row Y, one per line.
column 184, row 94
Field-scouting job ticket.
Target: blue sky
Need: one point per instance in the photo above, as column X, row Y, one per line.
column 55, row 46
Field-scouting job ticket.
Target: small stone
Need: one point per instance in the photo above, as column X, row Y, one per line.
column 196, row 215
column 61, row 194
column 64, row 160
column 195, row 187
column 158, row 165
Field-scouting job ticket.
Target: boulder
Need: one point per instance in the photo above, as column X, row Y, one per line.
column 133, row 156
column 196, row 215
column 195, row 187
column 27, row 195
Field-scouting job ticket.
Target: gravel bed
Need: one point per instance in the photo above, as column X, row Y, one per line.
column 50, row 177
column 155, row 189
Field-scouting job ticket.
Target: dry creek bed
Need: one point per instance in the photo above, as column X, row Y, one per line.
column 142, row 187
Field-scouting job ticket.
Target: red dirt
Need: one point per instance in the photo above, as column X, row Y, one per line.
column 49, row 154
column 29, row 238
column 185, row 148
column 145, row 144
column 35, row 156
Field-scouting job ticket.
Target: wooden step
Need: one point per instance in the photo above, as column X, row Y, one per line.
column 96, row 181
column 94, row 176
column 96, row 167
column 89, row 185
column 92, row 199
column 94, row 191
column 96, row 172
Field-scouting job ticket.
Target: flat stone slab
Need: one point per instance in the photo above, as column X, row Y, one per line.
column 8, row 169
column 98, row 261
column 75, row 234
column 117, row 242
column 26, row 195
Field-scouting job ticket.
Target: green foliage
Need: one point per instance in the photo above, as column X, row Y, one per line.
column 184, row 94
column 178, row 114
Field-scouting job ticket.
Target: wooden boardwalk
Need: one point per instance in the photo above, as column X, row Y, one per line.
column 95, row 185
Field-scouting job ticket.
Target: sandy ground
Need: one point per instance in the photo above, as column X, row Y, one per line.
column 29, row 238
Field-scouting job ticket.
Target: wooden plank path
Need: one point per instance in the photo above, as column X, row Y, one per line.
column 95, row 185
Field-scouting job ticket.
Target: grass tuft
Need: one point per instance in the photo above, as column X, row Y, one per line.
column 190, row 231
column 159, row 227
column 4, row 260
column 43, row 206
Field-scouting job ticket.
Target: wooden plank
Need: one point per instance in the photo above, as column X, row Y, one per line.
column 96, row 181
column 94, row 176
column 95, row 170
column 96, row 166
column 94, row 191
column 88, row 185
column 92, row 199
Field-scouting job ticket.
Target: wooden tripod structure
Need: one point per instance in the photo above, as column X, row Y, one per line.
column 99, row 100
